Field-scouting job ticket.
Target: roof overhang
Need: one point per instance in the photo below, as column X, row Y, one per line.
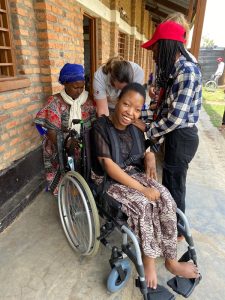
column 160, row 9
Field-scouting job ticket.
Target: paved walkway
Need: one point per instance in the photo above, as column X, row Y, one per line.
column 37, row 262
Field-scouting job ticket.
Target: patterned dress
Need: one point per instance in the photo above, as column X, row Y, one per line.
column 55, row 115
column 154, row 222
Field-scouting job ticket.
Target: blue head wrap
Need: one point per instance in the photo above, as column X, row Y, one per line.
column 71, row 73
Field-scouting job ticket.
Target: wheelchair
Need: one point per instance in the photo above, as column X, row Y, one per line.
column 80, row 206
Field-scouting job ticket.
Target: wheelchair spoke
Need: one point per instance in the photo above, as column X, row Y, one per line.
column 76, row 207
column 78, row 216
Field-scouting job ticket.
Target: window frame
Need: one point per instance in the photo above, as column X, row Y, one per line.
column 8, row 81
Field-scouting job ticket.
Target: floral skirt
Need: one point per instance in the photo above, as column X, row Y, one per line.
column 154, row 222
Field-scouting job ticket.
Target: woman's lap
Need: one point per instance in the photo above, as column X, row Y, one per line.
column 153, row 221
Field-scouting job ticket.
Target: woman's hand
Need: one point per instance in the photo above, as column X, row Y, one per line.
column 150, row 165
column 151, row 193
column 72, row 144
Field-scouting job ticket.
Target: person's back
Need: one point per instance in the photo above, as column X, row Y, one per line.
column 219, row 71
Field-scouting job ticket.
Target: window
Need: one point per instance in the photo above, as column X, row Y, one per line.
column 8, row 81
column 7, row 66
column 121, row 44
column 138, row 52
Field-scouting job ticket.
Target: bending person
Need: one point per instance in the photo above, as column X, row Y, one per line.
column 149, row 206
column 57, row 115
column 110, row 78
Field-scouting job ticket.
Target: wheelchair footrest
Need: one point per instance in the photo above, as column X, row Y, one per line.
column 183, row 286
column 160, row 293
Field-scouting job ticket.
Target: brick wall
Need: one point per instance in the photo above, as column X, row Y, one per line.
column 47, row 34
column 138, row 13
column 126, row 5
column 105, row 41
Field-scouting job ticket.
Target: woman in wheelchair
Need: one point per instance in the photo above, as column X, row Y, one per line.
column 57, row 115
column 151, row 211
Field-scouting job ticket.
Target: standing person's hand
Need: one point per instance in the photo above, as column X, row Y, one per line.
column 153, row 93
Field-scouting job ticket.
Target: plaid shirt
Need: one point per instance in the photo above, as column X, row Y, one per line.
column 183, row 100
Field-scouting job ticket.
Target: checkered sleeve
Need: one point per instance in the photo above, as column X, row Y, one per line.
column 181, row 97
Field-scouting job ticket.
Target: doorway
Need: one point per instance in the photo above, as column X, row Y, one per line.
column 89, row 51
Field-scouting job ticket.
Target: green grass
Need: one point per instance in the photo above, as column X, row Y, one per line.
column 211, row 103
column 217, row 96
column 215, row 113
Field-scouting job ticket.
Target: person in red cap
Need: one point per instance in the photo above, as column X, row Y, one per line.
column 178, row 81
column 220, row 68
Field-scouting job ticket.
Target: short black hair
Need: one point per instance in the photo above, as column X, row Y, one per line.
column 134, row 86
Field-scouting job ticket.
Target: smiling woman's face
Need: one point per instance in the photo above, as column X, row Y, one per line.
column 74, row 89
column 128, row 109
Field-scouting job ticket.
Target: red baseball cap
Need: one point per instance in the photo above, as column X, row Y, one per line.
column 168, row 30
column 219, row 59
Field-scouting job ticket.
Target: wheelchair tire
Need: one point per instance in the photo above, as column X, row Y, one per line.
column 114, row 283
column 78, row 214
column 211, row 86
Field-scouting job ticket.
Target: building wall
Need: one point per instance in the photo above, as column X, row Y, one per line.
column 126, row 6
column 46, row 35
column 207, row 59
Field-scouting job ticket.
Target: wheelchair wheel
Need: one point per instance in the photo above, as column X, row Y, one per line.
column 114, row 282
column 78, row 214
column 211, row 86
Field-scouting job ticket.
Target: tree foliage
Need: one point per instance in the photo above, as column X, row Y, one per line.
column 207, row 42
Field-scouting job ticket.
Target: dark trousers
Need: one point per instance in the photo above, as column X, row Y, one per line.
column 180, row 148
column 223, row 120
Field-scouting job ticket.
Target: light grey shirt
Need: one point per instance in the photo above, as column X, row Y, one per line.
column 103, row 88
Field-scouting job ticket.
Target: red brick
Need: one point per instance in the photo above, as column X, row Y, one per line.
column 4, row 136
column 11, row 124
column 51, row 18
column 3, row 118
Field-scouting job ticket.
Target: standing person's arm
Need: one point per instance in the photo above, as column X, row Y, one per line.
column 100, row 96
column 102, row 107
column 180, row 106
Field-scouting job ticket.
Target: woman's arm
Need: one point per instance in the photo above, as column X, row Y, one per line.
column 116, row 173
column 51, row 134
column 102, row 107
column 150, row 165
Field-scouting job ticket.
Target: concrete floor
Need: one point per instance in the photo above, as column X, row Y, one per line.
column 36, row 262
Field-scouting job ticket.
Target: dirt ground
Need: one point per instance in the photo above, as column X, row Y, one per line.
column 37, row 262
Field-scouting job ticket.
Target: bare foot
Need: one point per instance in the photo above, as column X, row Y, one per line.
column 222, row 128
column 150, row 272
column 184, row 269
column 180, row 238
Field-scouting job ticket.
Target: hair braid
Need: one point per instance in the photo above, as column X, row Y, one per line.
column 167, row 51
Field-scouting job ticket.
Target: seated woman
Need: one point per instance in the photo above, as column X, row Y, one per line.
column 57, row 115
column 149, row 206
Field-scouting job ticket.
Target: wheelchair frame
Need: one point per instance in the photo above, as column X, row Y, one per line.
column 121, row 269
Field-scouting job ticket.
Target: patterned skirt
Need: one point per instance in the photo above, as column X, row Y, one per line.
column 154, row 222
